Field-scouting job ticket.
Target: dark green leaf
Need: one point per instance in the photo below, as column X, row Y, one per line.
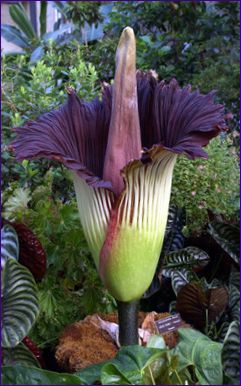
column 130, row 362
column 19, row 355
column 20, row 17
column 164, row 50
column 43, row 17
column 23, row 375
column 227, row 236
column 91, row 374
column 231, row 352
column 165, row 370
column 198, row 350
column 54, row 35
column 126, row 368
column 184, row 258
column 37, row 54
column 20, row 303
column 112, row 375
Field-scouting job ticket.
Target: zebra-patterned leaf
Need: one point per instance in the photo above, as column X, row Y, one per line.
column 227, row 236
column 181, row 278
column 174, row 238
column 9, row 244
column 223, row 331
column 20, row 303
column 231, row 352
column 190, row 257
column 176, row 219
column 234, row 302
column 19, row 355
column 234, row 277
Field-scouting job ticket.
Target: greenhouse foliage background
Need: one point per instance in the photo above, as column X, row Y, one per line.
column 195, row 42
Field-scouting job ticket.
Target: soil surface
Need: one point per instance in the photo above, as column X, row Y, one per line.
column 84, row 343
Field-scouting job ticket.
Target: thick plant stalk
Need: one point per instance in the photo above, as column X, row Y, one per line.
column 128, row 322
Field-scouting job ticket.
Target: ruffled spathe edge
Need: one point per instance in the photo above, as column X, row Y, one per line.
column 67, row 135
column 76, row 134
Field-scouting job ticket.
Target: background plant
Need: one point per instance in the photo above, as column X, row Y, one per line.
column 214, row 185
column 197, row 43
column 25, row 35
column 28, row 89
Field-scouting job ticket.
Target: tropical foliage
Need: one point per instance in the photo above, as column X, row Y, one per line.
column 198, row 270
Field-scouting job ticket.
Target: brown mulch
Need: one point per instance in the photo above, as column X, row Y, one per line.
column 84, row 343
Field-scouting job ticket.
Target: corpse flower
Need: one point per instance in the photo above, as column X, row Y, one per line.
column 122, row 151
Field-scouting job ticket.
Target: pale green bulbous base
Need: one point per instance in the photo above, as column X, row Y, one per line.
column 132, row 265
column 126, row 253
column 132, row 249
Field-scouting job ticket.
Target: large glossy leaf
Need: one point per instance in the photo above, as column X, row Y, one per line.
column 218, row 299
column 165, row 370
column 190, row 257
column 19, row 16
column 227, row 236
column 197, row 305
column 231, row 352
column 13, row 35
column 9, row 244
column 197, row 350
column 144, row 365
column 54, row 35
column 20, row 303
column 19, row 355
column 181, row 278
column 24, row 375
column 90, row 375
column 192, row 303
column 126, row 368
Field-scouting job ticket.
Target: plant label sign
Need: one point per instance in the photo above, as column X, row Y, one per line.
column 170, row 323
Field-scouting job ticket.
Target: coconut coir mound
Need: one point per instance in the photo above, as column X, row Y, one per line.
column 83, row 343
